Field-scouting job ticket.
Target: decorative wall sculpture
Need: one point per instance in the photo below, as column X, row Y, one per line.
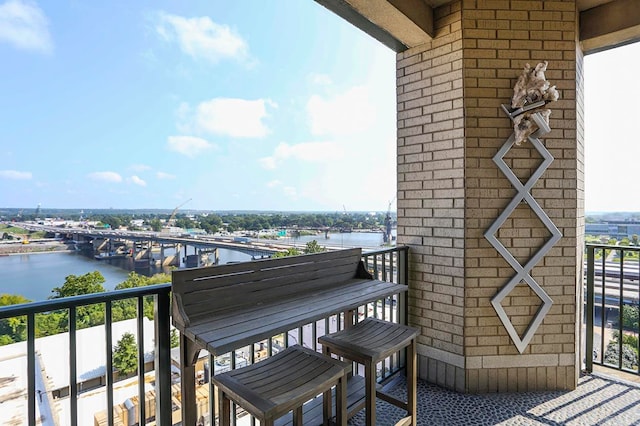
column 530, row 119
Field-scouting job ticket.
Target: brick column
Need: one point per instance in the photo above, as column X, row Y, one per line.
column 450, row 125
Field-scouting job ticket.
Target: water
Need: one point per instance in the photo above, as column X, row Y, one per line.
column 34, row 275
column 366, row 240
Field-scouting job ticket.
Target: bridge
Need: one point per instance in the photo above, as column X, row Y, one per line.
column 199, row 243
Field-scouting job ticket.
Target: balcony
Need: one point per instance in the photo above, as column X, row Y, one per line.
column 78, row 389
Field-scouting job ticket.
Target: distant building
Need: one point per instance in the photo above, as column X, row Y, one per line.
column 613, row 229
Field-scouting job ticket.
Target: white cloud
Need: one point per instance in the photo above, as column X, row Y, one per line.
column 290, row 191
column 268, row 163
column 165, row 176
column 201, row 37
column 238, row 118
column 136, row 180
column 190, row 146
column 320, row 79
column 139, row 167
column 15, row 175
column 308, row 151
column 274, row 183
column 349, row 113
column 25, row 26
column 106, row 177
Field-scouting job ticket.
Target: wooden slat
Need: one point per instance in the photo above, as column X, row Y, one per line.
column 242, row 328
column 312, row 410
column 183, row 278
column 271, row 388
column 331, row 267
column 220, row 299
column 371, row 340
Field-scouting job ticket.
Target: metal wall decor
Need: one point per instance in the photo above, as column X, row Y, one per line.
column 531, row 121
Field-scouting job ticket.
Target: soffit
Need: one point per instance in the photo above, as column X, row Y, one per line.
column 609, row 24
column 401, row 24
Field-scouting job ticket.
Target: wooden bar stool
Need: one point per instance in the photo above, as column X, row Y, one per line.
column 271, row 388
column 370, row 342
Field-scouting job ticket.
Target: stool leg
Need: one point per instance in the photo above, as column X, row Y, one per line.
column 412, row 382
column 370, row 390
column 326, row 396
column 297, row 416
column 341, row 401
column 224, row 409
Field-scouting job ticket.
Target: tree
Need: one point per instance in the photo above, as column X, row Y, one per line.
column 125, row 355
column 291, row 251
column 313, row 247
column 87, row 316
column 185, row 223
column 174, row 338
column 128, row 308
column 211, row 223
column 630, row 317
column 113, row 221
column 13, row 329
column 74, row 285
column 629, row 355
column 156, row 225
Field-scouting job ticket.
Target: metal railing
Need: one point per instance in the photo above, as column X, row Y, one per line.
column 70, row 306
column 612, row 310
column 388, row 265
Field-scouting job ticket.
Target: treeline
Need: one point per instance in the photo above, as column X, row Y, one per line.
column 231, row 222
column 14, row 329
column 256, row 222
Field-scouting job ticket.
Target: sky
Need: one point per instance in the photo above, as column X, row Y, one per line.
column 277, row 105
column 219, row 105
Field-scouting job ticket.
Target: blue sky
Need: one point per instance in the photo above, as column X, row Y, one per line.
column 251, row 104
column 236, row 105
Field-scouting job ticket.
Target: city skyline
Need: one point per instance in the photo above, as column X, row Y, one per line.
column 243, row 106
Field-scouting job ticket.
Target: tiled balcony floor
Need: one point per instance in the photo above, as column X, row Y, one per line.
column 598, row 400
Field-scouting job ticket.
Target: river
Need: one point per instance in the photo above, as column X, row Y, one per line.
column 34, row 275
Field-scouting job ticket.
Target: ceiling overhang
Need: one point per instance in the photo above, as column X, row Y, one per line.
column 398, row 24
column 609, row 25
column 403, row 24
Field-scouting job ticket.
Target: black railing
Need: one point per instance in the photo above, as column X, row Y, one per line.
column 162, row 349
column 387, row 265
column 612, row 311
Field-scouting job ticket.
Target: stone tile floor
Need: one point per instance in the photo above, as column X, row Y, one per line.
column 598, row 400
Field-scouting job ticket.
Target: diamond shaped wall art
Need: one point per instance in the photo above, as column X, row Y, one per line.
column 531, row 120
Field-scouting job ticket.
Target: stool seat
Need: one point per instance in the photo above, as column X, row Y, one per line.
column 284, row 382
column 369, row 342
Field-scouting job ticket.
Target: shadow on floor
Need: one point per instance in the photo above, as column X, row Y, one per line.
column 598, row 400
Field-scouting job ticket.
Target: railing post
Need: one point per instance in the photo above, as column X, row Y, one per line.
column 73, row 366
column 31, row 368
column 108, row 317
column 162, row 359
column 403, row 278
column 142, row 413
column 590, row 307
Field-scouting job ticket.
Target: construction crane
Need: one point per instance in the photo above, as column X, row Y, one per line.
column 387, row 223
column 173, row 213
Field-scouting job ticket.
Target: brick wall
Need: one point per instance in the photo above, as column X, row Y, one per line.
column 431, row 193
column 450, row 125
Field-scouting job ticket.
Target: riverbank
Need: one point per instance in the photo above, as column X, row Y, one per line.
column 52, row 246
